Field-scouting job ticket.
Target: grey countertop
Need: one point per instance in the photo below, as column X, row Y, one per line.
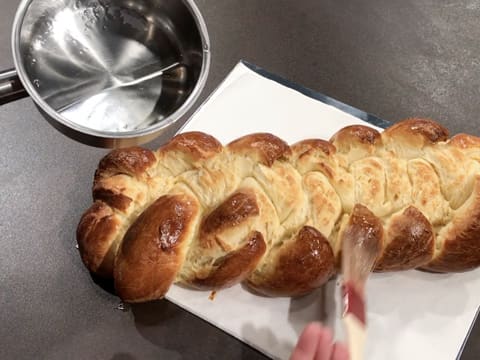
column 392, row 58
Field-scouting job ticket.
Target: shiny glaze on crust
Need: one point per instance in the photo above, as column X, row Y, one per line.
column 364, row 236
column 356, row 133
column 302, row 264
column 96, row 236
column 199, row 145
column 267, row 147
column 232, row 212
column 115, row 199
column 428, row 129
column 410, row 242
column 154, row 247
column 362, row 220
column 133, row 161
column 235, row 266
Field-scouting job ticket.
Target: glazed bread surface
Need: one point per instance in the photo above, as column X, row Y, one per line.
column 271, row 216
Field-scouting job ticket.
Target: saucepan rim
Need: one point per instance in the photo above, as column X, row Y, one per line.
column 111, row 135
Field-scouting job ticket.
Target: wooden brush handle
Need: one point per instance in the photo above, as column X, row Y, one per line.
column 356, row 336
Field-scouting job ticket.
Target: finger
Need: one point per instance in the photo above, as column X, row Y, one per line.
column 340, row 352
column 325, row 345
column 307, row 342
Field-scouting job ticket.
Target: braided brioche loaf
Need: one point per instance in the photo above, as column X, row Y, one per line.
column 271, row 216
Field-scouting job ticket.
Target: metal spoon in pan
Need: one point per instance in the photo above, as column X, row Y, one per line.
column 115, row 106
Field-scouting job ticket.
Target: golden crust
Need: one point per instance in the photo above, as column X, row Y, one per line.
column 417, row 132
column 97, row 240
column 355, row 136
column 196, row 144
column 409, row 242
column 302, row 264
column 465, row 141
column 304, row 147
column 363, row 231
column 458, row 245
column 133, row 161
column 250, row 210
column 115, row 199
column 265, row 148
column 232, row 212
column 153, row 249
column 235, row 266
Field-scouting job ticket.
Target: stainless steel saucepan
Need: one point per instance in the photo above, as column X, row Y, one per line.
column 108, row 73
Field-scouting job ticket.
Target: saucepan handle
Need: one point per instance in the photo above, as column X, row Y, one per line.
column 10, row 87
